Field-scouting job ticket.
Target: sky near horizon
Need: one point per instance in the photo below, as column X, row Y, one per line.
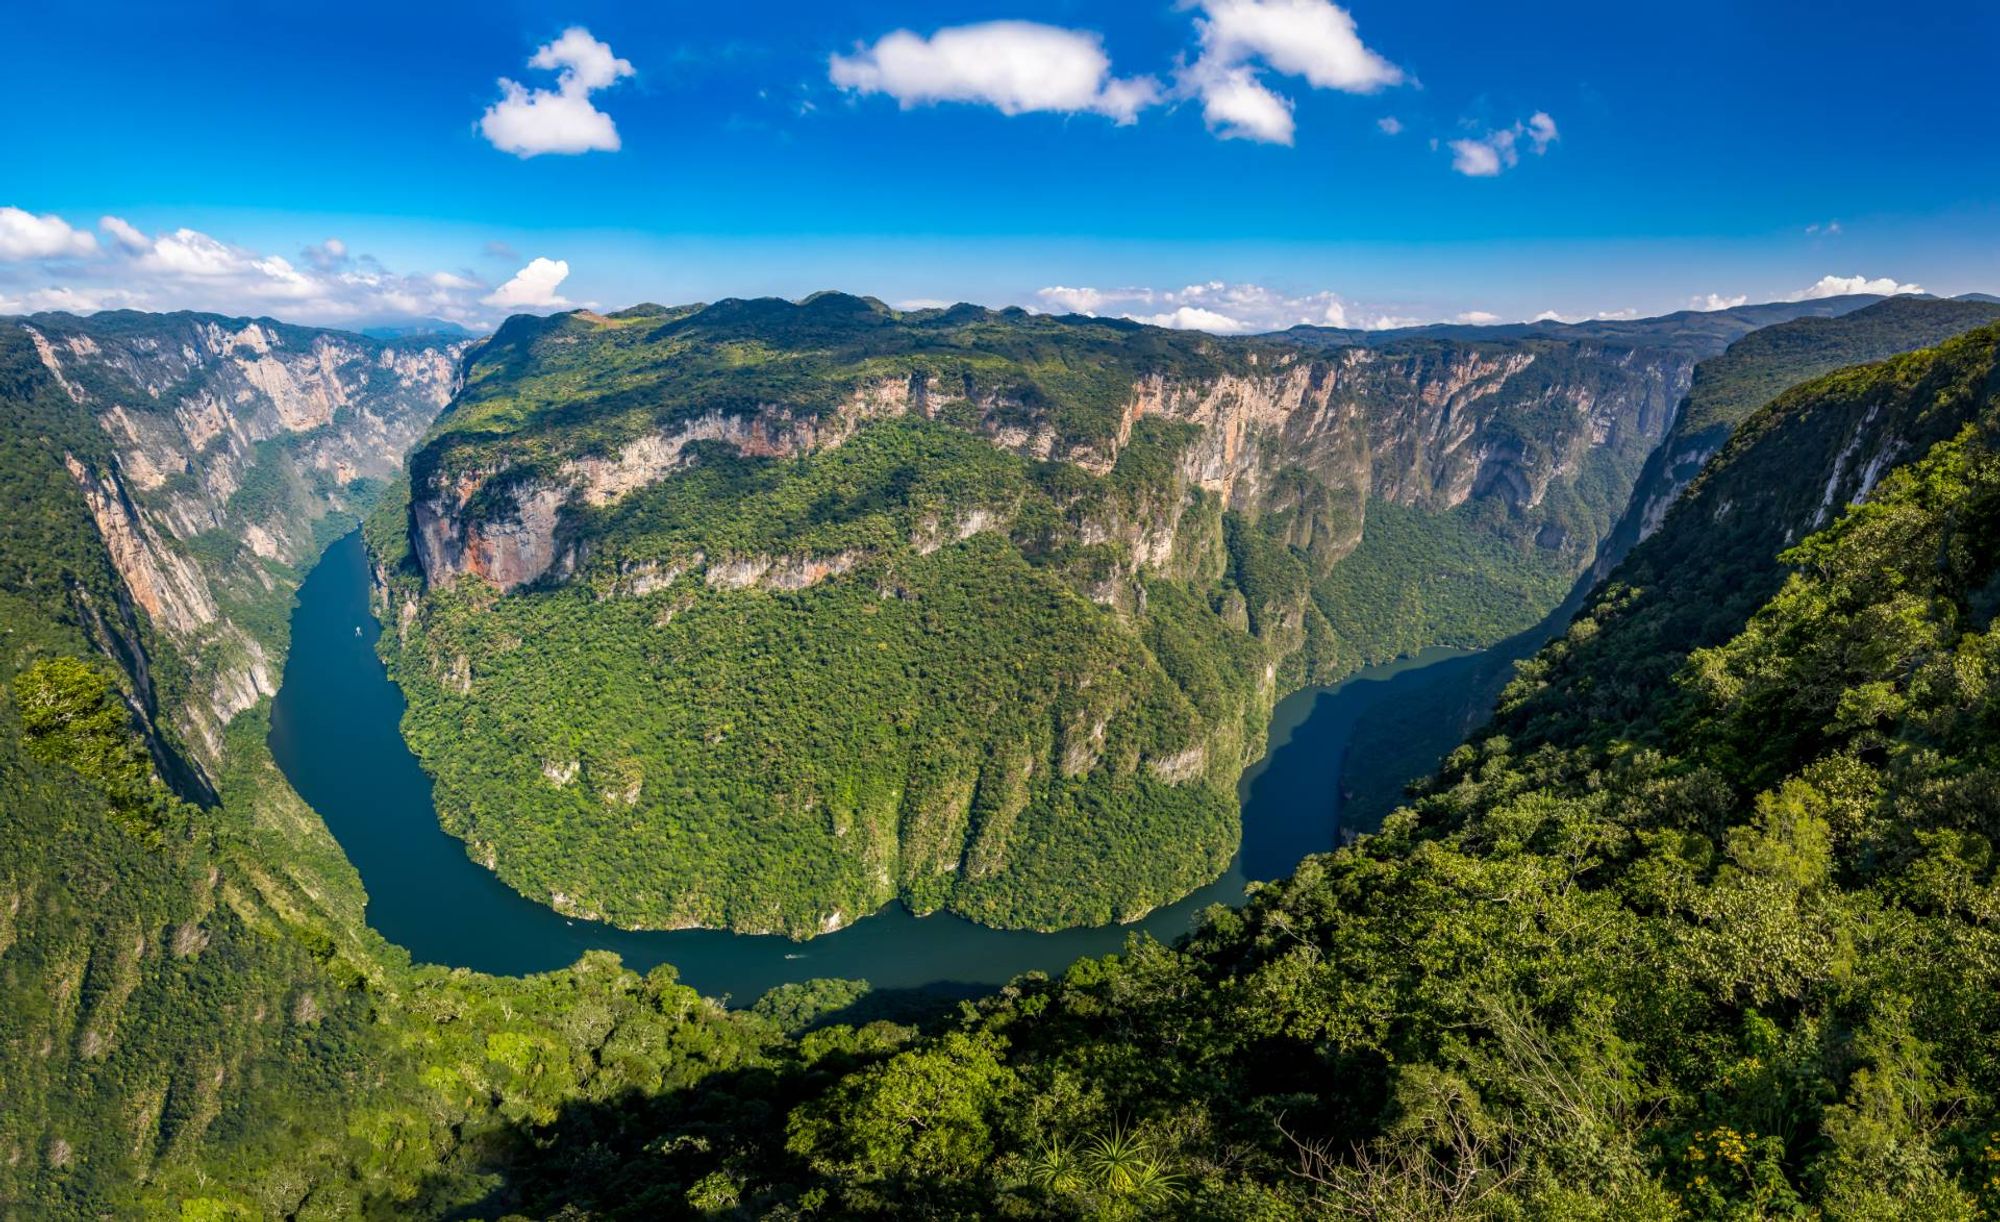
column 1227, row 164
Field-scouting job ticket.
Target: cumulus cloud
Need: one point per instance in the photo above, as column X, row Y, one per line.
column 529, row 122
column 1016, row 67
column 1709, row 302
column 1842, row 286
column 124, row 233
column 1309, row 38
column 327, row 255
column 23, row 235
column 1238, row 106
column 533, row 287
column 186, row 268
column 1541, row 131
column 1390, row 125
column 1499, row 150
column 1486, row 156
column 1312, row 39
column 1194, row 318
column 1019, row 67
column 1219, row 307
column 1478, row 318
column 1623, row 315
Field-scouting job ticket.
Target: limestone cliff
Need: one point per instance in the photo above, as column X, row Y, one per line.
column 1313, row 437
column 226, row 441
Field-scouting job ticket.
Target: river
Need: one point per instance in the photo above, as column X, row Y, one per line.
column 336, row 733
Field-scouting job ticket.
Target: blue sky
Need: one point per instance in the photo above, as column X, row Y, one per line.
column 1221, row 163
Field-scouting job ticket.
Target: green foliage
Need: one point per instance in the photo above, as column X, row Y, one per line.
column 665, row 754
column 1422, row 579
column 774, row 694
column 580, row 382
column 1763, row 364
column 1729, row 953
column 1737, row 961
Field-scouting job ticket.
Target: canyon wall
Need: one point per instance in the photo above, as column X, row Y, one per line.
column 222, row 444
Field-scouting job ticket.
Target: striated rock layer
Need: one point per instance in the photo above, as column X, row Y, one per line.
column 226, row 440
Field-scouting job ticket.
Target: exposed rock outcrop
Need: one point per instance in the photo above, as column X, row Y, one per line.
column 227, row 439
column 1311, row 436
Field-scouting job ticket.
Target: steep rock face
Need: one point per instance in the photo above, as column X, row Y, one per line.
column 1728, row 387
column 1314, row 437
column 1787, row 470
column 227, row 440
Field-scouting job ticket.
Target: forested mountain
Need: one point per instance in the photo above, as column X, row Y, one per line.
column 1700, row 927
column 762, row 614
column 1723, row 951
column 1409, row 739
column 209, row 453
column 1727, row 388
column 1700, row 333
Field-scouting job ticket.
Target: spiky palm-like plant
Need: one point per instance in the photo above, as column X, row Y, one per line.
column 1054, row 1167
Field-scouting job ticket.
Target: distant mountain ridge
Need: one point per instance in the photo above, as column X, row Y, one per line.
column 1757, row 368
column 1700, row 331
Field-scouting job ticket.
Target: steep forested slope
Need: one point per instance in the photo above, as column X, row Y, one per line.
column 1410, row 738
column 194, row 1019
column 1786, row 471
column 1727, row 952
column 764, row 614
column 1722, row 947
column 1729, row 387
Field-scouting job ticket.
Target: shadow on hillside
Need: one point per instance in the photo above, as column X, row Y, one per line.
column 642, row 1155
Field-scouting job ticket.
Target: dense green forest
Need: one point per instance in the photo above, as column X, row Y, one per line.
column 957, row 726
column 1731, row 956
column 1700, row 927
column 1433, row 714
column 804, row 608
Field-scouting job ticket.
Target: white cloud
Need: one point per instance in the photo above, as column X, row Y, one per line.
column 528, row 122
column 1541, row 131
column 326, row 256
column 1313, row 39
column 534, row 286
column 1061, row 298
column 1710, row 302
column 1238, row 106
column 126, row 235
column 67, row 300
column 1390, row 125
column 189, row 252
column 188, row 269
column 1309, row 38
column 1623, row 315
column 1016, row 67
column 1842, row 286
column 1220, row 307
column 1829, row 229
column 23, row 235
column 1195, row 318
column 1499, row 150
column 1485, row 157
column 1478, row 318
